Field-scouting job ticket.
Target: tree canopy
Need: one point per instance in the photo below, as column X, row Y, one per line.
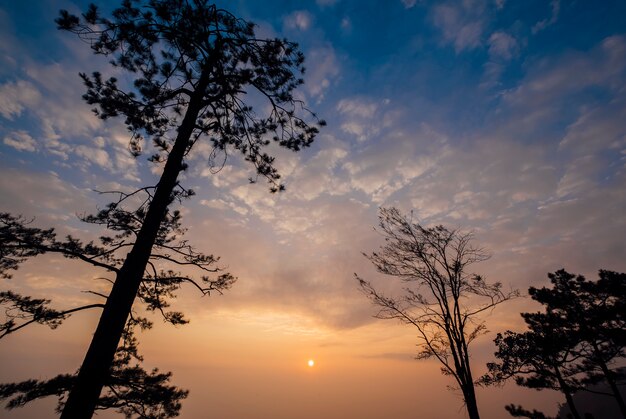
column 575, row 342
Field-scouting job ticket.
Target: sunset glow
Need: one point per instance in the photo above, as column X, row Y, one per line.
column 498, row 117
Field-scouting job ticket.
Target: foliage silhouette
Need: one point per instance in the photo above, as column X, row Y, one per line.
column 573, row 343
column 129, row 389
column 594, row 313
column 192, row 66
column 443, row 301
column 520, row 412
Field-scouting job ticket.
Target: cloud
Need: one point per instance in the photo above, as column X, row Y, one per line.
column 362, row 117
column 388, row 165
column 62, row 109
column 408, row 4
column 597, row 129
column 220, row 204
column 302, row 255
column 21, row 141
column 15, row 96
column 461, row 26
column 322, row 69
column 42, row 195
column 502, row 46
column 95, row 155
column 555, row 8
column 357, row 108
column 551, row 83
column 300, row 20
column 320, row 174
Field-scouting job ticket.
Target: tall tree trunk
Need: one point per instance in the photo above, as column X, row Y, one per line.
column 609, row 378
column 565, row 389
column 469, row 392
column 95, row 369
column 470, row 402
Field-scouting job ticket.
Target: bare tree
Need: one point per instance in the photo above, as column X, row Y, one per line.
column 442, row 300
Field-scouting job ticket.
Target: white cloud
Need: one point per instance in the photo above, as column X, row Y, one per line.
column 300, row 20
column 408, row 4
column 224, row 177
column 62, row 109
column 220, row 204
column 357, row 107
column 15, row 96
column 384, row 167
column 94, row 155
column 555, row 8
column 41, row 195
column 20, row 140
column 319, row 175
column 461, row 26
column 597, row 129
column 502, row 46
column 363, row 117
column 556, row 77
column 578, row 178
column 322, row 68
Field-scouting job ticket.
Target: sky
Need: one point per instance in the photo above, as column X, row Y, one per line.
column 501, row 117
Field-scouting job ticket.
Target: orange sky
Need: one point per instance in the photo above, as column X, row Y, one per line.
column 253, row 364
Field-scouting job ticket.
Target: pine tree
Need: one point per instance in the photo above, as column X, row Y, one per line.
column 193, row 66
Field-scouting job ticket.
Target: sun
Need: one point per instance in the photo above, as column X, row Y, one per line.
column 311, row 363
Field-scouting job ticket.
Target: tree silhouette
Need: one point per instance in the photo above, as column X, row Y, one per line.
column 443, row 301
column 129, row 389
column 541, row 359
column 520, row 412
column 574, row 343
column 192, row 66
column 593, row 314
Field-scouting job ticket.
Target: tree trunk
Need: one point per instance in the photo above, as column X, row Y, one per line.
column 471, row 404
column 565, row 389
column 469, row 394
column 609, row 378
column 95, row 369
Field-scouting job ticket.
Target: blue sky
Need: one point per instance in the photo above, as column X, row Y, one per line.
column 501, row 116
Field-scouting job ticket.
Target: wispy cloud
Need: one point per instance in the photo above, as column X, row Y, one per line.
column 15, row 96
column 21, row 141
column 555, row 8
column 300, row 20
column 461, row 26
column 502, row 46
column 322, row 69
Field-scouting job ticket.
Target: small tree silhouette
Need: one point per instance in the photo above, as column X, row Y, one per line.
column 442, row 300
